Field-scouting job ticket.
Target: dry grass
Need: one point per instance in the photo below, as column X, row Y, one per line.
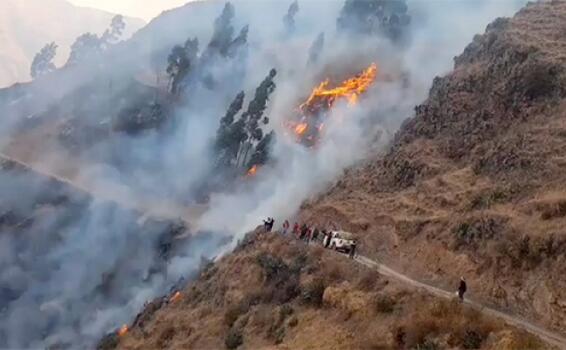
column 370, row 280
column 385, row 304
column 226, row 312
column 466, row 328
column 495, row 151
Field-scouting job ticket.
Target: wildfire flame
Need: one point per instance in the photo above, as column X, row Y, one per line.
column 323, row 97
column 252, row 171
column 175, row 297
column 123, row 330
column 301, row 128
column 349, row 89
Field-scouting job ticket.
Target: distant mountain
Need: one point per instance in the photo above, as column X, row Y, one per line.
column 25, row 26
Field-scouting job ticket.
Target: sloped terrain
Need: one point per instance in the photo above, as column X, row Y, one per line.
column 473, row 184
column 69, row 259
column 25, row 26
column 275, row 292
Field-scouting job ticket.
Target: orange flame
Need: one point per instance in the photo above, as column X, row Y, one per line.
column 349, row 89
column 323, row 98
column 123, row 330
column 175, row 297
column 301, row 128
column 252, row 171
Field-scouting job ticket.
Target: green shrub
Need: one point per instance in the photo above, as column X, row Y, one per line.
column 427, row 345
column 233, row 313
column 368, row 281
column 472, row 340
column 234, row 339
column 293, row 322
column 384, row 304
column 313, row 292
column 274, row 267
column 485, row 200
column 477, row 229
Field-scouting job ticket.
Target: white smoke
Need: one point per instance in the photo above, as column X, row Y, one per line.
column 50, row 276
column 440, row 30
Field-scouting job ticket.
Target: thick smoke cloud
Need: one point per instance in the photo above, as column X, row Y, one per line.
column 82, row 266
column 438, row 32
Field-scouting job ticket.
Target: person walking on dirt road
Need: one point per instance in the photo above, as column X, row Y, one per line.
column 353, row 250
column 328, row 239
column 462, row 289
column 315, row 234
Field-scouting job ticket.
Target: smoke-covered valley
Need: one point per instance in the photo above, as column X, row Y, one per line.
column 143, row 180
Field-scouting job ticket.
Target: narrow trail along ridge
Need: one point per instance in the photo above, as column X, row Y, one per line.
column 546, row 335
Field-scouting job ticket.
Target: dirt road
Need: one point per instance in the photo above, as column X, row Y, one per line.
column 547, row 336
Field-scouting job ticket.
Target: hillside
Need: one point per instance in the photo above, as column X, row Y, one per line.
column 127, row 170
column 72, row 261
column 26, row 26
column 290, row 296
column 473, row 184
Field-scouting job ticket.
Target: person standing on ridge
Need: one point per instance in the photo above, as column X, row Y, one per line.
column 462, row 289
column 285, row 227
column 271, row 223
column 315, row 234
column 268, row 224
column 328, row 239
column 304, row 232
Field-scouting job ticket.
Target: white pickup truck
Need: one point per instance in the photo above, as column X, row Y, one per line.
column 342, row 241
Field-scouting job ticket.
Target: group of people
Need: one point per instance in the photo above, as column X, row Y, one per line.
column 313, row 234
column 305, row 232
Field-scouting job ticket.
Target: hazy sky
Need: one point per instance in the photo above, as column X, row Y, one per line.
column 146, row 9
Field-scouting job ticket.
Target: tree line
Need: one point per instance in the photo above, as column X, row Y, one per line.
column 85, row 46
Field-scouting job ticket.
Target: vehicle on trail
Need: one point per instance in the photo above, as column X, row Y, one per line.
column 342, row 241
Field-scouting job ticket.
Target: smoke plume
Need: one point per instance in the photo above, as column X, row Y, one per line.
column 130, row 213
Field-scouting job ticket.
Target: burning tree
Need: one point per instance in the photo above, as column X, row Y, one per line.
column 241, row 143
column 323, row 98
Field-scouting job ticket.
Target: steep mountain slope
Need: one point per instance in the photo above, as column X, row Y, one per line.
column 474, row 183
column 58, row 292
column 25, row 26
column 275, row 292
